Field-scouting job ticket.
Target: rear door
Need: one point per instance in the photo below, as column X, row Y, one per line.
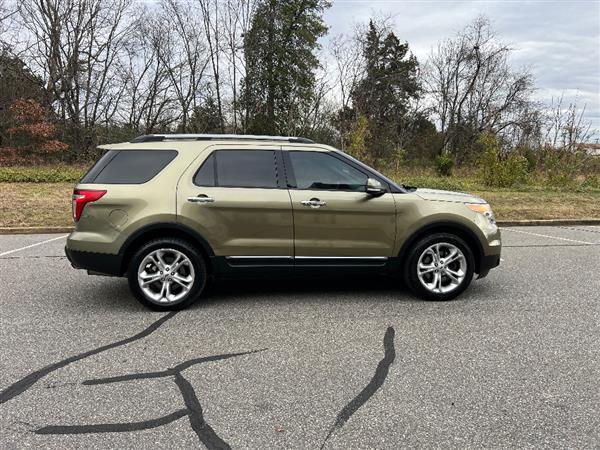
column 333, row 215
column 237, row 200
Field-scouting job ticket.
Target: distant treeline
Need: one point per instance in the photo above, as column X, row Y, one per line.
column 74, row 74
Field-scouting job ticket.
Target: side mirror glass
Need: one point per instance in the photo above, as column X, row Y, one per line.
column 374, row 187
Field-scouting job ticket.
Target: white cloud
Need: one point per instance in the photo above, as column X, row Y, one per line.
column 558, row 40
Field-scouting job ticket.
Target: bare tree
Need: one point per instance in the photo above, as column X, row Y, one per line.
column 472, row 86
column 347, row 54
column 149, row 105
column 236, row 19
column 212, row 33
column 348, row 68
column 565, row 125
column 7, row 13
column 75, row 45
column 148, row 71
column 184, row 54
column 9, row 29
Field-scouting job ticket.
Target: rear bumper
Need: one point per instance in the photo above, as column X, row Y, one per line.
column 96, row 262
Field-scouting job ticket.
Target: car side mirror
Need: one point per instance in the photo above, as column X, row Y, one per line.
column 374, row 187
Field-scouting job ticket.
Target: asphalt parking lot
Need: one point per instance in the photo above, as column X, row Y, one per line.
column 514, row 362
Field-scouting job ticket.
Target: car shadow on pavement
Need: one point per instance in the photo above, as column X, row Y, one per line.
column 114, row 294
column 313, row 289
column 106, row 293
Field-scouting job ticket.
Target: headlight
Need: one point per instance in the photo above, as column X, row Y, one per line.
column 482, row 208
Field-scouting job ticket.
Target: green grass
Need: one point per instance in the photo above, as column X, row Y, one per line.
column 468, row 180
column 464, row 179
column 41, row 174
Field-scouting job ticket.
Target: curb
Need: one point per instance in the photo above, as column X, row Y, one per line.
column 547, row 222
column 35, row 230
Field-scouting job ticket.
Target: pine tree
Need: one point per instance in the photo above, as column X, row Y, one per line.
column 383, row 96
column 280, row 64
column 205, row 118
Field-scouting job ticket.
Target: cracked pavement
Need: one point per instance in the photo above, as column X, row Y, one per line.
column 514, row 362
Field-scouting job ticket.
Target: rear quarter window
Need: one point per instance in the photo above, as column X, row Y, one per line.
column 128, row 166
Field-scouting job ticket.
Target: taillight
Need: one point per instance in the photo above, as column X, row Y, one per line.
column 82, row 197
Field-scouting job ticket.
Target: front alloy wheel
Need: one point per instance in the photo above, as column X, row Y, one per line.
column 442, row 268
column 439, row 267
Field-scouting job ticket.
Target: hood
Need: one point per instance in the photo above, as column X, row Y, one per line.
column 448, row 196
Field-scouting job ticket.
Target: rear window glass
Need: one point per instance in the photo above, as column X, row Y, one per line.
column 246, row 168
column 238, row 168
column 128, row 166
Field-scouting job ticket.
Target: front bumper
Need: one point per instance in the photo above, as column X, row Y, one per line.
column 96, row 262
column 487, row 263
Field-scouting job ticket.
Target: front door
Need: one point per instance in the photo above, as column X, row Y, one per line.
column 235, row 199
column 333, row 215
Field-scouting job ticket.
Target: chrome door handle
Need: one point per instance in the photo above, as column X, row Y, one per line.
column 201, row 199
column 313, row 203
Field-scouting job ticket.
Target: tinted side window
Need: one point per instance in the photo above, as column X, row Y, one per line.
column 206, row 174
column 246, row 168
column 318, row 170
column 129, row 166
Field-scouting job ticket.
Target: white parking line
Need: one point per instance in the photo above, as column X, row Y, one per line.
column 32, row 245
column 546, row 236
column 587, row 230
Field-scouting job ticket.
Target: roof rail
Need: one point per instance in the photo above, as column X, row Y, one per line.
column 208, row 137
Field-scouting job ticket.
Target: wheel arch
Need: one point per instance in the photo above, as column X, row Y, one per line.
column 165, row 229
column 456, row 228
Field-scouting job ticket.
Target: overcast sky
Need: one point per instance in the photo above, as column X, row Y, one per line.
column 558, row 40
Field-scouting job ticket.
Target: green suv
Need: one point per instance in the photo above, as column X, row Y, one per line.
column 170, row 212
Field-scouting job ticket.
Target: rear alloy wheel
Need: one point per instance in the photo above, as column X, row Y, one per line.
column 167, row 274
column 440, row 267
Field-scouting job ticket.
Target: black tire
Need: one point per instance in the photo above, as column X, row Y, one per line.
column 411, row 276
column 196, row 259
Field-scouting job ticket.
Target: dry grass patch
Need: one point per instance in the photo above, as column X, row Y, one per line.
column 35, row 204
column 543, row 205
column 49, row 204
